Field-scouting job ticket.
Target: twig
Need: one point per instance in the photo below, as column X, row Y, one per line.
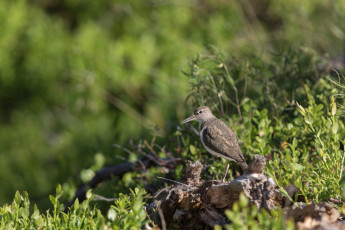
column 120, row 157
column 142, row 164
column 161, row 216
column 336, row 201
column 149, row 147
column 147, row 226
column 152, row 158
column 160, row 191
column 123, row 148
column 98, row 197
column 194, row 130
column 153, row 140
column 162, row 149
column 170, row 180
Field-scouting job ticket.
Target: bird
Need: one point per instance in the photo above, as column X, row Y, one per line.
column 217, row 138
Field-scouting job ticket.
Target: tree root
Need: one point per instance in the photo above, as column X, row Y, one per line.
column 198, row 203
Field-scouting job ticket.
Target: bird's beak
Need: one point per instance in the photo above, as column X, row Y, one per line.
column 191, row 118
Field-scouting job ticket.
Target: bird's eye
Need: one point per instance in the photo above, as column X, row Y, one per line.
column 200, row 111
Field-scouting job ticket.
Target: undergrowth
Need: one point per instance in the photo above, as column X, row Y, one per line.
column 127, row 212
column 284, row 109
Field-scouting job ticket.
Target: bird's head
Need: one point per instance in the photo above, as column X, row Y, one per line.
column 201, row 114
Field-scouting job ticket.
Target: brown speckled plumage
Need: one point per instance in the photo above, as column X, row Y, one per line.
column 217, row 137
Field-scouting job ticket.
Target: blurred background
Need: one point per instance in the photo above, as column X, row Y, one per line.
column 78, row 76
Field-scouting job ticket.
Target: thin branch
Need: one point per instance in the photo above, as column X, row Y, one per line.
column 149, row 147
column 147, row 224
column 124, row 149
column 102, row 198
column 152, row 158
column 336, row 201
column 171, row 180
column 161, row 216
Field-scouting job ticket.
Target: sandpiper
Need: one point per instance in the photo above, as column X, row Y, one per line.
column 217, row 138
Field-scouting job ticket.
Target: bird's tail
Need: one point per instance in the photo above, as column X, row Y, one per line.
column 243, row 165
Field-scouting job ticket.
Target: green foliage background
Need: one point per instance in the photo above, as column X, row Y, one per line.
column 78, row 76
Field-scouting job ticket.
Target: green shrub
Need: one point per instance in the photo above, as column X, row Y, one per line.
column 246, row 216
column 126, row 213
column 302, row 143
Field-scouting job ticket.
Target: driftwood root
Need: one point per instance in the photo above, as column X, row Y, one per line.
column 196, row 203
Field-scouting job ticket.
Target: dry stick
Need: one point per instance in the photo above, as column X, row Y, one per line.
column 194, row 130
column 99, row 197
column 171, row 180
column 152, row 158
column 153, row 140
column 142, row 164
column 123, row 148
column 149, row 147
column 147, row 224
column 161, row 216
column 336, row 201
column 162, row 149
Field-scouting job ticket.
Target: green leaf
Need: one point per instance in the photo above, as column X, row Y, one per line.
column 52, row 200
column 17, row 198
column 333, row 106
column 297, row 167
column 308, row 118
column 25, row 212
column 76, row 204
column 99, row 161
column 192, row 149
column 89, row 194
column 111, row 214
column 230, row 80
column 36, row 214
column 300, row 109
column 335, row 127
column 40, row 220
column 217, row 227
column 86, row 175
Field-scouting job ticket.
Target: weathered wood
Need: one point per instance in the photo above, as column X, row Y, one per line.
column 293, row 192
column 193, row 171
column 321, row 211
column 321, row 216
column 196, row 203
column 260, row 189
column 257, row 165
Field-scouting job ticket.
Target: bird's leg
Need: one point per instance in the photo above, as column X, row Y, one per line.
column 226, row 171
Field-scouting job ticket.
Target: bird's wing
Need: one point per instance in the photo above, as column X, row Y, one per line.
column 221, row 139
